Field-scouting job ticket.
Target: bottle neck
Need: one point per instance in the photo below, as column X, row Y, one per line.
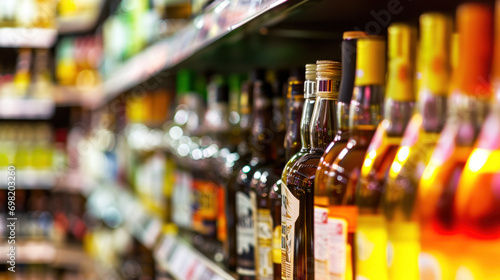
column 432, row 107
column 342, row 117
column 366, row 108
column 262, row 134
column 398, row 113
column 305, row 122
column 292, row 137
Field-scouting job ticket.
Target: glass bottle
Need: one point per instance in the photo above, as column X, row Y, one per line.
column 467, row 108
column 371, row 235
column 321, row 252
column 263, row 153
column 419, row 140
column 297, row 195
column 365, row 113
column 233, row 165
column 268, row 256
column 309, row 89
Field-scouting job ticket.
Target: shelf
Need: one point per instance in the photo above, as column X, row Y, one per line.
column 13, row 37
column 18, row 108
column 44, row 252
column 185, row 262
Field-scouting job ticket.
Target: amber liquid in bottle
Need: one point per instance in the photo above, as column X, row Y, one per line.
column 297, row 195
column 365, row 113
column 440, row 240
column 323, row 262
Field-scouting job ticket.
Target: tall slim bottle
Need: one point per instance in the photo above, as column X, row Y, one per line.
column 324, row 259
column 371, row 235
column 234, row 163
column 263, row 153
column 297, row 255
column 439, row 239
column 268, row 216
column 418, row 142
column 309, row 89
column 365, row 113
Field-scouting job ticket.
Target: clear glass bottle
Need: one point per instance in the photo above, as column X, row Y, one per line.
column 439, row 237
column 365, row 113
column 297, row 195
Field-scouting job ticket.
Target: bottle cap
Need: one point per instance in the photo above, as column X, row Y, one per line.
column 311, row 72
column 401, row 53
column 328, row 74
column 350, row 35
column 434, row 49
column 348, row 64
column 370, row 61
column 475, row 23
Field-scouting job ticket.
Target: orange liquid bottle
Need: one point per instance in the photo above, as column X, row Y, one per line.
column 467, row 108
column 477, row 203
column 322, row 259
column 419, row 140
column 365, row 113
column 371, row 235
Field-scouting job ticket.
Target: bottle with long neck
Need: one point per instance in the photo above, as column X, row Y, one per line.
column 297, row 195
column 371, row 242
column 365, row 113
column 268, row 217
column 263, row 153
column 322, row 256
column 477, row 203
column 234, row 163
column 419, row 140
column 308, row 93
column 440, row 240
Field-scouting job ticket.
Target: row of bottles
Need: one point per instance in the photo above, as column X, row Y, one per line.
column 28, row 13
column 377, row 174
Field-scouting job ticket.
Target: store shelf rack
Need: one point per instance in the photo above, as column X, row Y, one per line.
column 12, row 37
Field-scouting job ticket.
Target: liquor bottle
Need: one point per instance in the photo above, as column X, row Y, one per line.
column 297, row 255
column 263, row 153
column 419, row 140
column 268, row 263
column 365, row 113
column 439, row 237
column 233, row 165
column 371, row 235
column 324, row 261
column 309, row 89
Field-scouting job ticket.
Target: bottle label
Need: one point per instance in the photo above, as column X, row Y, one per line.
column 277, row 245
column 181, row 199
column 245, row 235
column 205, row 205
column 321, row 243
column 337, row 245
column 264, row 244
column 221, row 214
column 289, row 214
column 371, row 246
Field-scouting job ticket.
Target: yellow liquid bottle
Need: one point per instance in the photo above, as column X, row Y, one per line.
column 371, row 235
column 439, row 238
column 418, row 142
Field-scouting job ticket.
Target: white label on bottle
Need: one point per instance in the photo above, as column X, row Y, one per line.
column 337, row 242
column 245, row 234
column 289, row 214
column 321, row 243
column 264, row 247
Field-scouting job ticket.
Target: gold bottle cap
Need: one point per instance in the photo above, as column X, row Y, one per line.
column 328, row 75
column 349, row 35
column 434, row 49
column 370, row 61
column 475, row 26
column 311, row 72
